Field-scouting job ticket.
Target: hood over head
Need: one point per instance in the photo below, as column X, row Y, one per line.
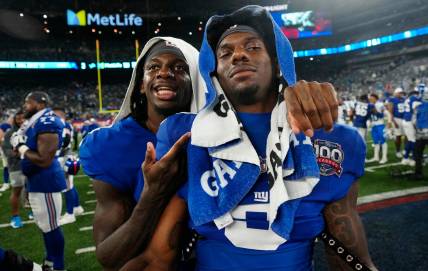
column 152, row 47
column 254, row 18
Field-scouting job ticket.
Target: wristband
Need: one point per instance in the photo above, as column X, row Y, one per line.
column 22, row 149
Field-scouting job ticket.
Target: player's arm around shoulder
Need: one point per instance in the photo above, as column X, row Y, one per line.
column 164, row 249
column 344, row 223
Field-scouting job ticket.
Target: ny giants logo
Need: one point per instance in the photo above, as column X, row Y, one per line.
column 329, row 157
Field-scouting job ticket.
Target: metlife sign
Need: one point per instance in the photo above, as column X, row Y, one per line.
column 83, row 18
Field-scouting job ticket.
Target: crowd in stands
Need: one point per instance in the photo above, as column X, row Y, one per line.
column 81, row 99
column 67, row 50
column 378, row 77
column 78, row 99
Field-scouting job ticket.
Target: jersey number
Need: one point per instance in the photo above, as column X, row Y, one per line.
column 361, row 110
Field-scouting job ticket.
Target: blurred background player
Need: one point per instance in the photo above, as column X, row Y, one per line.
column 395, row 107
column 342, row 112
column 409, row 127
column 420, row 120
column 72, row 203
column 37, row 142
column 378, row 130
column 3, row 129
column 17, row 178
column 361, row 115
column 88, row 126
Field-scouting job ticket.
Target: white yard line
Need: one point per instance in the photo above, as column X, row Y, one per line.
column 85, row 250
column 370, row 169
column 89, row 228
column 91, row 201
column 88, row 213
column 5, row 225
column 90, row 192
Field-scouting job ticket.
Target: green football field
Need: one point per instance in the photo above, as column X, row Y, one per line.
column 79, row 255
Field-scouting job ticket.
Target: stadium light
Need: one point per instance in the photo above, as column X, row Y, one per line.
column 179, row 18
column 190, row 33
column 133, row 32
column 21, row 14
column 159, row 24
column 45, row 16
column 412, row 33
column 37, row 65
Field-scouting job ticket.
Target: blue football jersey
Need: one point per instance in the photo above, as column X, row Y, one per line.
column 67, row 139
column 5, row 126
column 397, row 107
column 408, row 107
column 217, row 252
column 377, row 117
column 422, row 116
column 340, row 156
column 86, row 129
column 50, row 179
column 69, row 127
column 115, row 154
column 362, row 114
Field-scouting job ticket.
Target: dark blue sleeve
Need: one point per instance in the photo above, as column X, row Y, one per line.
column 93, row 162
column 371, row 107
column 5, row 126
column 170, row 130
column 163, row 143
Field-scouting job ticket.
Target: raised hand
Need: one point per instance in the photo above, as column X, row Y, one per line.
column 164, row 177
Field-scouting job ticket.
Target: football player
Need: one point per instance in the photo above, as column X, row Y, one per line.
column 378, row 130
column 73, row 207
column 420, row 120
column 17, row 178
column 395, row 107
column 165, row 81
column 37, row 143
column 409, row 127
column 361, row 114
column 4, row 127
column 232, row 178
